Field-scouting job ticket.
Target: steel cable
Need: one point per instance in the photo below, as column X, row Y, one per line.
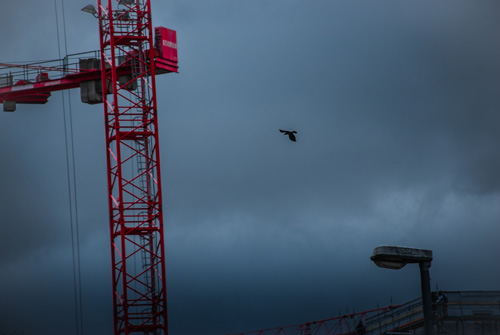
column 72, row 197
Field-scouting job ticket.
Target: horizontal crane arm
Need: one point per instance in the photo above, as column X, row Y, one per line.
column 33, row 84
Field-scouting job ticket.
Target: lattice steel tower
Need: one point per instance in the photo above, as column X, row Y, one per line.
column 133, row 161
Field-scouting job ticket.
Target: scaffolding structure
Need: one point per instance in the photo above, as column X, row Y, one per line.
column 454, row 312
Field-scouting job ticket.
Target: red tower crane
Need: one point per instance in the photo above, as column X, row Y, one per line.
column 121, row 75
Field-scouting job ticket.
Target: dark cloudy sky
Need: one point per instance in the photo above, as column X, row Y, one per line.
column 396, row 104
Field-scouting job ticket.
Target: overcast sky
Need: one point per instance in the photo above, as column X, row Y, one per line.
column 396, row 104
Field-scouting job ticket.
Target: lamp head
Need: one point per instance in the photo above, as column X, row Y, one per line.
column 90, row 9
column 392, row 257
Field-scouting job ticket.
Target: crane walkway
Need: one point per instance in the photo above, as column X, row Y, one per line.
column 33, row 83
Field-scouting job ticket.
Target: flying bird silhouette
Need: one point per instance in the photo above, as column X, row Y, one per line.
column 290, row 134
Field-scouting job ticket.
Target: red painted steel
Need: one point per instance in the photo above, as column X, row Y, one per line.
column 167, row 43
column 134, row 183
column 33, row 83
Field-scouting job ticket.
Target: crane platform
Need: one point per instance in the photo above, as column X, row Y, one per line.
column 33, row 83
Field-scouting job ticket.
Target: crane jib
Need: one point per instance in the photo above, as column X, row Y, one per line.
column 32, row 83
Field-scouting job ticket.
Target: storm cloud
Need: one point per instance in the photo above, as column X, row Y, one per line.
column 396, row 107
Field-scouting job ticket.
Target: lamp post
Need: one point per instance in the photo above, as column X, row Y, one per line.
column 392, row 257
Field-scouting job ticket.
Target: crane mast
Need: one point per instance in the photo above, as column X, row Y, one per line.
column 133, row 161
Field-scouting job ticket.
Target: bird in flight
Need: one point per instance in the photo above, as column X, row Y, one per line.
column 290, row 134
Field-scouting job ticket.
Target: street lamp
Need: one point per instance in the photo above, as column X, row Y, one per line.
column 392, row 257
